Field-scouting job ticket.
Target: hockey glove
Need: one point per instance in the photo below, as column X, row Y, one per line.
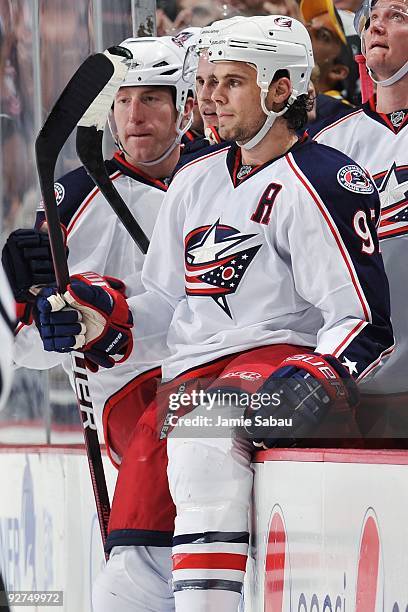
column 90, row 316
column 305, row 387
column 27, row 262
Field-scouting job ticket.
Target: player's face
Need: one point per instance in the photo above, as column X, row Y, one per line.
column 386, row 39
column 145, row 119
column 237, row 100
column 205, row 85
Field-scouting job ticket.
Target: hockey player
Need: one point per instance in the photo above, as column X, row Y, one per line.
column 377, row 137
column 150, row 115
column 204, row 72
column 204, row 88
column 197, row 63
column 266, row 272
column 7, row 323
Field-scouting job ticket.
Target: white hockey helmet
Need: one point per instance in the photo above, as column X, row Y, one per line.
column 159, row 61
column 270, row 43
column 362, row 23
column 203, row 41
column 207, row 33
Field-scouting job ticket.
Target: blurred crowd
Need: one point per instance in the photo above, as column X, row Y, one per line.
column 173, row 15
column 28, row 91
column 41, row 46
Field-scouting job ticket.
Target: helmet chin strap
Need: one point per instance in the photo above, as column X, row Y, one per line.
column 392, row 79
column 270, row 120
column 180, row 133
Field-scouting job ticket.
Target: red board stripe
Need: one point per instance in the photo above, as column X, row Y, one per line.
column 275, row 566
column 368, row 565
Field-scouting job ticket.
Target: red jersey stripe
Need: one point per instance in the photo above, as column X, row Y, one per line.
column 227, row 561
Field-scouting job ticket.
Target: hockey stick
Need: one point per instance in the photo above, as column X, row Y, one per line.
column 89, row 149
column 99, row 77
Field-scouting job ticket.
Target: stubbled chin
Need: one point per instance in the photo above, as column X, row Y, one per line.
column 223, row 132
column 226, row 133
column 141, row 154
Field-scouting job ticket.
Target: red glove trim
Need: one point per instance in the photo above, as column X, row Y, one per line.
column 120, row 313
column 325, row 372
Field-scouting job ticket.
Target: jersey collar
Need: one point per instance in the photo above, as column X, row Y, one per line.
column 395, row 121
column 137, row 173
column 234, row 161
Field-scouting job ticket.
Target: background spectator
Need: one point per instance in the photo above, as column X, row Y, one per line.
column 348, row 5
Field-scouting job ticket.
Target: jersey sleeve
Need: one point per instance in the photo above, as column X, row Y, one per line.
column 163, row 271
column 70, row 192
column 337, row 262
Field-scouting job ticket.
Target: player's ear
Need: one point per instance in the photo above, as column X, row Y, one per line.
column 338, row 72
column 279, row 92
column 189, row 106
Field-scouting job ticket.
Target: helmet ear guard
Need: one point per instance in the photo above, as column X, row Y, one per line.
column 270, row 44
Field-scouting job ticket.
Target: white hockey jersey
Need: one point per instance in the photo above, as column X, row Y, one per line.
column 286, row 254
column 97, row 241
column 380, row 144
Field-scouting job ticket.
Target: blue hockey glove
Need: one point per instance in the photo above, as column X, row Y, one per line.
column 90, row 316
column 307, row 386
column 27, row 261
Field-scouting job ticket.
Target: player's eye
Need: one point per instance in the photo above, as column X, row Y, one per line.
column 397, row 16
column 150, row 99
column 210, row 84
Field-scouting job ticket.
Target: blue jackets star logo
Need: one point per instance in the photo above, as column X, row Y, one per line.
column 393, row 188
column 214, row 263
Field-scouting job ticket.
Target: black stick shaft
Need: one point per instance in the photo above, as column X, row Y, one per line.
column 89, row 149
